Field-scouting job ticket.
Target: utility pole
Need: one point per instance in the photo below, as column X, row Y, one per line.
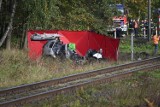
column 124, row 7
column 123, row 2
column 149, row 20
column 132, row 47
column 158, row 29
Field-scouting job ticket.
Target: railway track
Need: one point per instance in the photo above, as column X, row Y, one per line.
column 24, row 94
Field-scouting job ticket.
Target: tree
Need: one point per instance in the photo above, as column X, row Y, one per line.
column 0, row 4
column 38, row 14
column 8, row 31
column 139, row 8
column 54, row 14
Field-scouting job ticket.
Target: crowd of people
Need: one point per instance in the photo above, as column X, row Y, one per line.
column 140, row 28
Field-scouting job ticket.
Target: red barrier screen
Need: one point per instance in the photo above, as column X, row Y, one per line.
column 84, row 41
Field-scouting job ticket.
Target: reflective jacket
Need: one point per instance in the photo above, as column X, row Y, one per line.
column 135, row 24
column 155, row 39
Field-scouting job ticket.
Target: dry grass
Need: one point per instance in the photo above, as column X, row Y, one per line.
column 16, row 68
column 141, row 90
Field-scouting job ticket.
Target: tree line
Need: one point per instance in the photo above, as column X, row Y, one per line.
column 19, row 16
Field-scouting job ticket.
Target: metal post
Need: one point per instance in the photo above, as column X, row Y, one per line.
column 158, row 29
column 149, row 20
column 115, row 34
column 124, row 7
column 144, row 32
column 132, row 57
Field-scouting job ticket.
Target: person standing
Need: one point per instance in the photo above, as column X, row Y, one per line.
column 155, row 39
column 118, row 31
column 131, row 26
column 146, row 26
column 142, row 28
column 152, row 27
column 136, row 28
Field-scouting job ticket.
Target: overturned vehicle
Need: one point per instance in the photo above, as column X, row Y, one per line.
column 55, row 48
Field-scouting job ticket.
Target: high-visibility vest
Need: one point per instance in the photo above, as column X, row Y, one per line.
column 72, row 46
column 155, row 39
column 136, row 25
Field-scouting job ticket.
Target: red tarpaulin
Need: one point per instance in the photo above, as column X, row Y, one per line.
column 84, row 41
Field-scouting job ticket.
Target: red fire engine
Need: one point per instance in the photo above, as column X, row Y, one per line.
column 119, row 21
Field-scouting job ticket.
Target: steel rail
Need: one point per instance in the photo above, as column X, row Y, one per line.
column 37, row 85
column 73, row 88
column 33, row 92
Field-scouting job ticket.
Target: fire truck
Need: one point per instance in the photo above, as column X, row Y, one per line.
column 119, row 21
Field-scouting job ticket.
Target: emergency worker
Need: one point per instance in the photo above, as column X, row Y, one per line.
column 152, row 27
column 70, row 50
column 155, row 39
column 131, row 26
column 118, row 31
column 142, row 27
column 146, row 26
column 136, row 28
